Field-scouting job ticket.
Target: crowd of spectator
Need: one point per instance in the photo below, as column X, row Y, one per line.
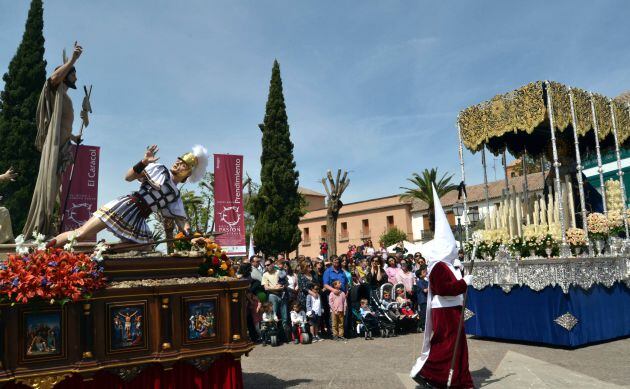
column 322, row 291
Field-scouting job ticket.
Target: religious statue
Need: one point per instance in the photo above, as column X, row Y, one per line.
column 54, row 118
column 6, row 232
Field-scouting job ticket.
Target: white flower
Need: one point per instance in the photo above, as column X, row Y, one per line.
column 71, row 242
column 38, row 237
column 20, row 247
column 100, row 248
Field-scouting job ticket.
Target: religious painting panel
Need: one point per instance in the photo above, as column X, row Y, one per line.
column 127, row 326
column 200, row 319
column 43, row 334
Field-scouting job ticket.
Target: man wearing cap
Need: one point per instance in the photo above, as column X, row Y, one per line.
column 444, row 312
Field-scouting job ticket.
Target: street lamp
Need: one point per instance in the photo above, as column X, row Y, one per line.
column 473, row 215
column 458, row 210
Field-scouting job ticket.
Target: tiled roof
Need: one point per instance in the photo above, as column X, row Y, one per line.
column 476, row 192
column 361, row 206
column 309, row 192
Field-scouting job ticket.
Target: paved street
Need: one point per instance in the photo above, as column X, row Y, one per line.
column 384, row 363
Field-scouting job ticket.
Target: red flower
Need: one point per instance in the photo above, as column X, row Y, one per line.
column 215, row 261
column 53, row 274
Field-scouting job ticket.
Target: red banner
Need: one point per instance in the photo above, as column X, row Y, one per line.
column 229, row 217
column 83, row 198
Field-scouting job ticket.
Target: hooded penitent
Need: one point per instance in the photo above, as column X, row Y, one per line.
column 443, row 248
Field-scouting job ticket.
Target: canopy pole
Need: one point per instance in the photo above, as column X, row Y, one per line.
column 619, row 168
column 461, row 165
column 485, row 181
column 564, row 249
column 599, row 155
column 505, row 173
column 525, row 183
column 578, row 159
column 542, row 170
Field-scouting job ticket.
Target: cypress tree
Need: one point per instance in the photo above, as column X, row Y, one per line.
column 18, row 103
column 278, row 206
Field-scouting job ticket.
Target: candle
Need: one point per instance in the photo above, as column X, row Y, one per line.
column 571, row 203
column 550, row 205
column 536, row 213
column 519, row 216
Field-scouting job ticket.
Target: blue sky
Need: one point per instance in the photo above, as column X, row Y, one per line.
column 373, row 87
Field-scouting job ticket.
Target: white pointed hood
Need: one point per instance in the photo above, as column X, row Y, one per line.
column 443, row 246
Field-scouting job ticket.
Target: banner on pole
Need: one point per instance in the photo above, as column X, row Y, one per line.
column 229, row 215
column 83, row 196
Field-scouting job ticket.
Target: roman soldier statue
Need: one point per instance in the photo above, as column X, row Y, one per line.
column 126, row 217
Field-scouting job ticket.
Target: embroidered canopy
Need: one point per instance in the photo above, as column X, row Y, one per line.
column 520, row 119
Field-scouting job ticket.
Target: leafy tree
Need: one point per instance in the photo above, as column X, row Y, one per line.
column 423, row 189
column 392, row 236
column 18, row 103
column 199, row 204
column 278, row 206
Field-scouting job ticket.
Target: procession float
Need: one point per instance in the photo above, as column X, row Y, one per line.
column 72, row 319
column 550, row 268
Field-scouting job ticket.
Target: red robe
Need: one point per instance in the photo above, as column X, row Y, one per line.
column 445, row 323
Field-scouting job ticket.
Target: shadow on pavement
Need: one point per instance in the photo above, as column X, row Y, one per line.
column 482, row 376
column 264, row 380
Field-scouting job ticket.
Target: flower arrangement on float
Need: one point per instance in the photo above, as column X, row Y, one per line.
column 576, row 238
column 216, row 262
column 517, row 247
column 488, row 242
column 614, row 207
column 51, row 275
column 598, row 225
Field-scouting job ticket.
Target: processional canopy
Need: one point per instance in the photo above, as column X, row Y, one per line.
column 519, row 120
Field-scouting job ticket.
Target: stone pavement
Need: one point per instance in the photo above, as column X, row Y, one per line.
column 385, row 363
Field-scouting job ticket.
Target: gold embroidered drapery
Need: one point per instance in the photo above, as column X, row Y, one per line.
column 520, row 118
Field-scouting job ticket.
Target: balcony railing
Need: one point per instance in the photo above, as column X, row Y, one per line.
column 365, row 234
column 306, row 242
column 344, row 237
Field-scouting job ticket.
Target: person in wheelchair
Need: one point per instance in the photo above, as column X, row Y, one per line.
column 369, row 318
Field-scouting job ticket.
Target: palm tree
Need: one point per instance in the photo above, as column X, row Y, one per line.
column 423, row 190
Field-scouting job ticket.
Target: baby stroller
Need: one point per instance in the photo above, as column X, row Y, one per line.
column 386, row 319
column 367, row 326
column 269, row 333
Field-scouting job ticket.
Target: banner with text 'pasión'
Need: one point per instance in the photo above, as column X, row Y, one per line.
column 229, row 216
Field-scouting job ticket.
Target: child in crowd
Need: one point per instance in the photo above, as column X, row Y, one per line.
column 298, row 317
column 269, row 320
column 314, row 312
column 404, row 304
column 254, row 316
column 337, row 301
column 422, row 288
column 368, row 316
